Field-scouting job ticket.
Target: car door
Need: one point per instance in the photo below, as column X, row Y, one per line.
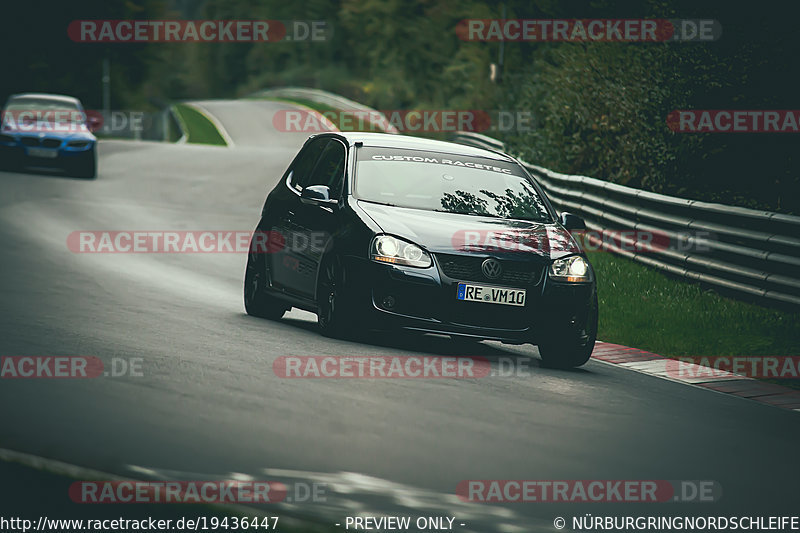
column 289, row 269
column 319, row 222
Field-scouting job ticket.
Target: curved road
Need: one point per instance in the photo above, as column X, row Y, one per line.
column 209, row 403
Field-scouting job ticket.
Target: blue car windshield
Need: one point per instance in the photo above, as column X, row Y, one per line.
column 35, row 110
column 450, row 183
column 40, row 104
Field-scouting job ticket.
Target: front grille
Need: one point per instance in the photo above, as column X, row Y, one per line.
column 468, row 268
column 51, row 143
column 30, row 141
column 489, row 315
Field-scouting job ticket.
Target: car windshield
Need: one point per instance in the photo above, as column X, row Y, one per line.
column 24, row 109
column 445, row 182
column 40, row 104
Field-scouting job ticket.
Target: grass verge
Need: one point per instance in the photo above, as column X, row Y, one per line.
column 199, row 129
column 645, row 309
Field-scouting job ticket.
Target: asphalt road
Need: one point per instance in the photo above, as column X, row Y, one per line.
column 209, row 403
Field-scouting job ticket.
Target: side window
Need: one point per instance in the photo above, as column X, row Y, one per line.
column 301, row 171
column 330, row 168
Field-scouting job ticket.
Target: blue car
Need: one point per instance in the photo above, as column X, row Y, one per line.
column 48, row 130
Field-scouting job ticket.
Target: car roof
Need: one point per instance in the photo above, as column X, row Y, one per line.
column 390, row 140
column 46, row 96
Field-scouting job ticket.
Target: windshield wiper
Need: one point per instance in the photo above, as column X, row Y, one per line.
column 490, row 215
column 468, row 213
column 379, row 203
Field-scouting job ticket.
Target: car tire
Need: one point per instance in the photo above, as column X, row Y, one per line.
column 256, row 300
column 574, row 348
column 334, row 309
column 85, row 167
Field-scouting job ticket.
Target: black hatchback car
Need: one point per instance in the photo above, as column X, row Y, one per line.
column 376, row 231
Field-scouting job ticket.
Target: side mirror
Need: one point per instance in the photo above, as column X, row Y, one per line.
column 316, row 195
column 571, row 222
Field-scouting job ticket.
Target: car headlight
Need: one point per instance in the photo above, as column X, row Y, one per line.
column 78, row 144
column 574, row 269
column 388, row 249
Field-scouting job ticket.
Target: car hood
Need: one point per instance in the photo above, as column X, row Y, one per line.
column 453, row 233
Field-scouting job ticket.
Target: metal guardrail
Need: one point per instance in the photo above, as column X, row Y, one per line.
column 750, row 252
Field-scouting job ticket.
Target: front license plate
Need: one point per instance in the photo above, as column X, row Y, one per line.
column 491, row 295
column 42, row 152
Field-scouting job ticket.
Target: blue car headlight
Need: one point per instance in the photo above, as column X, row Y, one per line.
column 389, row 249
column 573, row 269
column 78, row 144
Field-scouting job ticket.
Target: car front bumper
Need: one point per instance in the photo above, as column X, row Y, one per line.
column 424, row 300
column 43, row 156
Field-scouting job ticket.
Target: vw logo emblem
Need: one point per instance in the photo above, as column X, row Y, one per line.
column 491, row 268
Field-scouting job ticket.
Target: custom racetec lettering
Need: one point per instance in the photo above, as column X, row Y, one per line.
column 434, row 158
